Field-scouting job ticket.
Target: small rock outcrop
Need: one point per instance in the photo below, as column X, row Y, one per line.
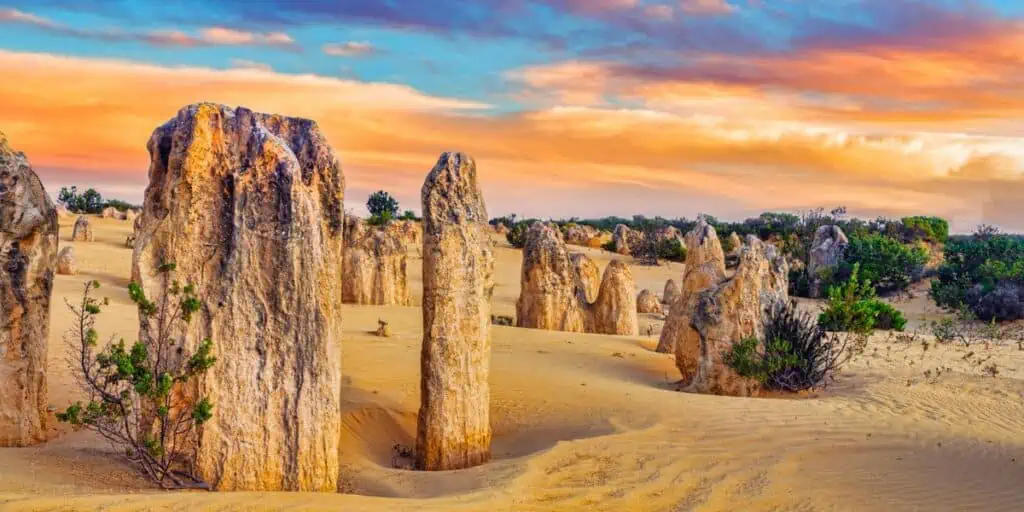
column 727, row 313
column 587, row 274
column 705, row 267
column 28, row 257
column 82, row 232
column 249, row 207
column 582, row 235
column 827, row 251
column 556, row 289
column 736, row 245
column 130, row 215
column 671, row 293
column 66, row 264
column 375, row 265
column 614, row 311
column 453, row 426
column 647, row 302
column 112, row 213
column 625, row 239
column 548, row 297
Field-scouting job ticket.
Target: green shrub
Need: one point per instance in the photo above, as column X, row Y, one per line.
column 797, row 353
column 985, row 273
column 886, row 316
column 142, row 398
column 849, row 306
column 380, row 219
column 884, row 261
column 671, row 249
column 381, row 203
column 609, row 246
column 931, row 229
column 516, row 235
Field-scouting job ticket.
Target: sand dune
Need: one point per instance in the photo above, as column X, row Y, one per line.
column 589, row 422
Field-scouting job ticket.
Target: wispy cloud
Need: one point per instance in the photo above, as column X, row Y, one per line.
column 350, row 49
column 209, row 36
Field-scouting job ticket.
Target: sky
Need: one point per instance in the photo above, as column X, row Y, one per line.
column 570, row 107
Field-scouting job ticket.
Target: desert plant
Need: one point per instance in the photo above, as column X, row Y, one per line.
column 142, row 398
column 381, row 203
column 672, row 249
column 609, row 246
column 516, row 234
column 886, row 316
column 89, row 201
column 884, row 261
column 797, row 353
column 985, row 272
column 380, row 219
column 849, row 307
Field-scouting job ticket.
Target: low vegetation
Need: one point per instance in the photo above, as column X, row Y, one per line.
column 853, row 307
column 89, row 201
column 983, row 273
column 795, row 354
column 382, row 207
column 141, row 398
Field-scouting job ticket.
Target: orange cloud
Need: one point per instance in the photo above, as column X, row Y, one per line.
column 92, row 117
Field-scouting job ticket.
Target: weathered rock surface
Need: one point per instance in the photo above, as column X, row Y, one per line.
column 130, row 215
column 587, row 275
column 375, row 265
column 647, row 302
column 556, row 289
column 548, row 297
column 113, row 213
column 827, row 250
column 249, row 207
column 66, row 264
column 705, row 267
column 736, row 244
column 626, row 239
column 454, row 429
column 582, row 235
column 671, row 293
column 726, row 314
column 82, row 232
column 614, row 311
column 28, row 258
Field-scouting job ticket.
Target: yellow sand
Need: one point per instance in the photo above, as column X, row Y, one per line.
column 587, row 422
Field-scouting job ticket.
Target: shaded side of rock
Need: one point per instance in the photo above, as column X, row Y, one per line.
column 705, row 267
column 614, row 311
column 647, row 302
column 548, row 286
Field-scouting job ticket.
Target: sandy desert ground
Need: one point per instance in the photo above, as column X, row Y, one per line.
column 588, row 422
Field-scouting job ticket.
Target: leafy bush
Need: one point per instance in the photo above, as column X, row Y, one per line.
column 408, row 215
column 609, row 246
column 379, row 219
column 672, row 250
column 381, row 203
column 886, row 316
column 849, row 307
column 985, row 272
column 89, row 201
column 884, row 261
column 141, row 398
column 931, row 229
column 516, row 235
column 798, row 354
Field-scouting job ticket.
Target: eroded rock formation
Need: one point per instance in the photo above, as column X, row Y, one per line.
column 582, row 235
column 727, row 313
column 587, row 275
column 375, row 265
column 82, row 232
column 614, row 311
column 558, row 289
column 705, row 267
column 626, row 240
column 548, row 297
column 66, row 264
column 453, row 429
column 827, row 250
column 647, row 302
column 671, row 293
column 28, row 258
column 249, row 207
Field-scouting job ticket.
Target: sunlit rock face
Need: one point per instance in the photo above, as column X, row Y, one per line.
column 453, row 426
column 249, row 207
column 705, row 267
column 28, row 260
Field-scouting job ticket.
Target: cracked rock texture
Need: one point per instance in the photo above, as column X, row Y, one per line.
column 726, row 313
column 375, row 265
column 453, row 426
column 249, row 206
column 705, row 267
column 82, row 232
column 28, row 259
